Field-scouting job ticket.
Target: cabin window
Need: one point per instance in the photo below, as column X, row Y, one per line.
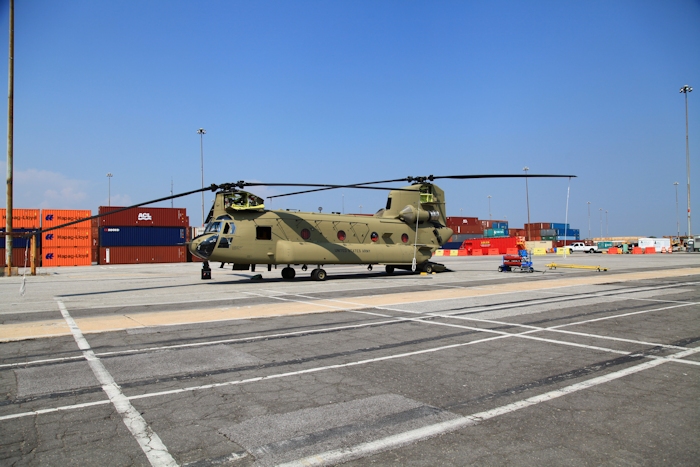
column 388, row 203
column 305, row 234
column 223, row 243
column 213, row 227
column 374, row 236
column 404, row 238
column 263, row 233
column 341, row 235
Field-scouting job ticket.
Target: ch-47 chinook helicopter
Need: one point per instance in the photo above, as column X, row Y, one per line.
column 402, row 235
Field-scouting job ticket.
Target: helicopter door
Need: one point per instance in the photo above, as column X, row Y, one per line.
column 360, row 230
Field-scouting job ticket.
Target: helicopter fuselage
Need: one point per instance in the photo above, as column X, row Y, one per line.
column 391, row 237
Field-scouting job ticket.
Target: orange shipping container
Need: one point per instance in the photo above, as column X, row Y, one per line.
column 67, row 256
column 55, row 217
column 21, row 218
column 66, row 237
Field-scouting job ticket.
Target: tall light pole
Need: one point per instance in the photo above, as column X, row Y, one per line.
column 607, row 231
column 201, row 132
column 489, row 197
column 678, row 222
column 601, row 222
column 589, row 219
column 109, row 188
column 685, row 90
column 527, row 198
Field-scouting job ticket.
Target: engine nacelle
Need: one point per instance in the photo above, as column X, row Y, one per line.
column 410, row 214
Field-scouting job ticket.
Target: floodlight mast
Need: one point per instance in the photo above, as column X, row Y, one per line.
column 685, row 90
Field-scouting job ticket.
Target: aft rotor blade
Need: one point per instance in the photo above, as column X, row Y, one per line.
column 466, row 177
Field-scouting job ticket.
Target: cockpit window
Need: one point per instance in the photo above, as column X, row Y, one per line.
column 213, row 227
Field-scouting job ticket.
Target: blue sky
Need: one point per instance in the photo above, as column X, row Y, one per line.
column 346, row 92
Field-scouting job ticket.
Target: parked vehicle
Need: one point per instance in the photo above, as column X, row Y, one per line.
column 580, row 246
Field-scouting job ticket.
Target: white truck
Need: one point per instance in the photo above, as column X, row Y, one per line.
column 580, row 246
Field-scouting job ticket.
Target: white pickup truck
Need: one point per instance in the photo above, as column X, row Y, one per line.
column 580, row 246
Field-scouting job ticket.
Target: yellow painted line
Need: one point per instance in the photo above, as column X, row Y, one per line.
column 94, row 324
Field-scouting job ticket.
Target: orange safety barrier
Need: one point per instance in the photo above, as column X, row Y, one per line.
column 462, row 252
column 494, row 251
column 613, row 251
column 663, row 249
column 637, row 250
column 477, row 252
column 650, row 250
column 511, row 251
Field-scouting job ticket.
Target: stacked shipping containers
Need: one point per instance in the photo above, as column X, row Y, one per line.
column 143, row 235
column 67, row 246
column 23, row 220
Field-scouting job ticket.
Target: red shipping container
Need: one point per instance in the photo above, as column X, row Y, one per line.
column 143, row 254
column 17, row 257
column 486, row 244
column 144, row 217
column 55, row 217
column 21, row 218
column 66, row 237
column 66, row 256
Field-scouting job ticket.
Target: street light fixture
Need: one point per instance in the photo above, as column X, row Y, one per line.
column 201, row 132
column 601, row 222
column 589, row 219
column 489, row 197
column 527, row 198
column 109, row 188
column 685, row 90
column 678, row 222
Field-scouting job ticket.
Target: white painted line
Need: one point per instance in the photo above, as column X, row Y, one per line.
column 314, row 370
column 623, row 315
column 150, row 442
column 202, row 344
column 52, row 410
column 582, row 334
column 392, row 442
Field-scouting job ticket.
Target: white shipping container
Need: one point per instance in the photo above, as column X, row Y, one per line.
column 657, row 243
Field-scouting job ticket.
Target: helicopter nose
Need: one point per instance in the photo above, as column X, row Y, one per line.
column 205, row 247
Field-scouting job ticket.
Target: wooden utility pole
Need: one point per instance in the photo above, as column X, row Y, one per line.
column 10, row 133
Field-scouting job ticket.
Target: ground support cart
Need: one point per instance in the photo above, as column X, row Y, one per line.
column 521, row 262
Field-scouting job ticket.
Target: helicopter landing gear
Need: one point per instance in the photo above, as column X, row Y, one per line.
column 369, row 268
column 389, row 269
column 206, row 271
column 318, row 274
column 427, row 268
column 288, row 273
column 304, row 267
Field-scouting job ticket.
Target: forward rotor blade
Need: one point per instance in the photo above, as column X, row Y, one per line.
column 209, row 188
column 333, row 187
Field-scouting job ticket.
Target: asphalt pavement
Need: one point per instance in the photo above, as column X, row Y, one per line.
column 150, row 365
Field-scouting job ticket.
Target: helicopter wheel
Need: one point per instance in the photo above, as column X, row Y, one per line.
column 288, row 273
column 318, row 274
column 389, row 269
column 428, row 268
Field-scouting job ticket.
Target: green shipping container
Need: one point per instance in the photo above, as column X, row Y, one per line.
column 550, row 238
column 604, row 245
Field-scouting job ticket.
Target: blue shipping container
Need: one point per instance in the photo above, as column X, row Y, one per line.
column 499, row 225
column 19, row 242
column 559, row 226
column 142, row 236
